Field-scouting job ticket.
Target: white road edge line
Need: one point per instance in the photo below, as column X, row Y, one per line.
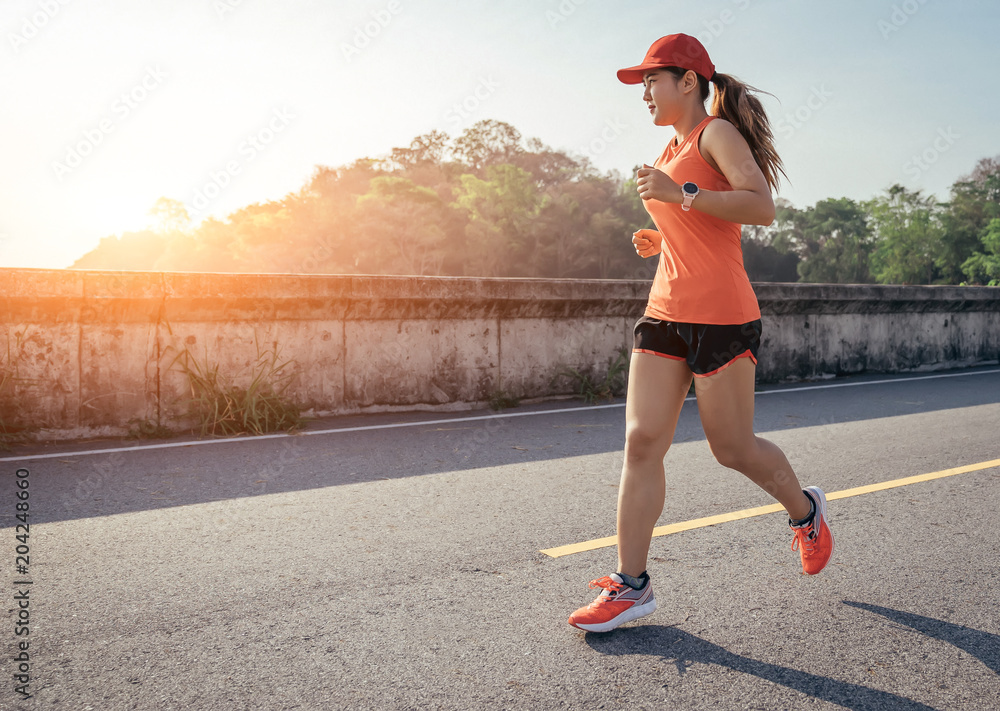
column 420, row 423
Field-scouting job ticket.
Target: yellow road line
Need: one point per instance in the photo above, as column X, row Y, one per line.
column 572, row 548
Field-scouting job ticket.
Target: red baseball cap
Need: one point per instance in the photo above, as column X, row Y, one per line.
column 678, row 50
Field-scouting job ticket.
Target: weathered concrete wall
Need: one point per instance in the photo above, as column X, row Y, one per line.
column 87, row 351
column 812, row 330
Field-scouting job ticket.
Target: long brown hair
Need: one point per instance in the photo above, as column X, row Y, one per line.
column 735, row 102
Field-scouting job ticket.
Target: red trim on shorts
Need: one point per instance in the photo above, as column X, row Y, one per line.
column 657, row 353
column 744, row 354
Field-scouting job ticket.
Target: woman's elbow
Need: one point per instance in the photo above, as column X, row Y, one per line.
column 765, row 215
column 761, row 218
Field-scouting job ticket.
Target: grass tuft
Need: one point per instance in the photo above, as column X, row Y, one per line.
column 142, row 428
column 613, row 384
column 225, row 408
column 501, row 400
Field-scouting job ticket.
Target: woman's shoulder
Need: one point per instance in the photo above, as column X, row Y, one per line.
column 720, row 128
column 720, row 138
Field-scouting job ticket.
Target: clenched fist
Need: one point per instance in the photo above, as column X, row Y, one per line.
column 653, row 184
column 647, row 242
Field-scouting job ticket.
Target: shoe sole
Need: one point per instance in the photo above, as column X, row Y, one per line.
column 821, row 498
column 633, row 613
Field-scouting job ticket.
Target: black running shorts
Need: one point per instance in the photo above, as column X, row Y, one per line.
column 707, row 348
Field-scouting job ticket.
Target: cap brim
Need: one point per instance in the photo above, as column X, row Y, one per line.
column 634, row 75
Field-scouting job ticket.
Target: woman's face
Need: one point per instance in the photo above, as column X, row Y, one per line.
column 662, row 97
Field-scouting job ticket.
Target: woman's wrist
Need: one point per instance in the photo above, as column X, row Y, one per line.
column 676, row 195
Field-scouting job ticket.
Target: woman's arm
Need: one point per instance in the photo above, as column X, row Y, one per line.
column 748, row 203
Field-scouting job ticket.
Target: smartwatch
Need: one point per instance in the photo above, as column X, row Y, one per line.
column 690, row 190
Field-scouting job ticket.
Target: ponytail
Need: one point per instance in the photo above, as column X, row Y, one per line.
column 734, row 102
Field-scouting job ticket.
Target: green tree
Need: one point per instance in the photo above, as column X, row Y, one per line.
column 581, row 231
column 549, row 168
column 787, row 232
column 975, row 200
column 430, row 148
column 132, row 250
column 488, row 143
column 769, row 250
column 211, row 250
column 500, row 210
column 839, row 230
column 400, row 228
column 963, row 221
column 829, row 242
column 630, row 206
column 908, row 233
column 170, row 215
column 762, row 261
column 261, row 235
column 326, row 219
column 984, row 267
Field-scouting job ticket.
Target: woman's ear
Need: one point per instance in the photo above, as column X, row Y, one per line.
column 690, row 80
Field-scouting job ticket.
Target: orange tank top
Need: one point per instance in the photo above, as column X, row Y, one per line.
column 700, row 277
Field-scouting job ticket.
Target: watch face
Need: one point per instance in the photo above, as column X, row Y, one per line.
column 689, row 188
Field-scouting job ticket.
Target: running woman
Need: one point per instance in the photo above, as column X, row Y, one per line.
column 702, row 319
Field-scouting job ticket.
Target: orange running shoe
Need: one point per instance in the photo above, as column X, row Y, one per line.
column 617, row 604
column 814, row 541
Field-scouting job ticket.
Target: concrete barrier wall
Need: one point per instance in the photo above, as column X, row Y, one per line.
column 85, row 352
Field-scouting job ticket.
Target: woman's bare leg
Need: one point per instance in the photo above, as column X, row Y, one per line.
column 725, row 404
column 657, row 387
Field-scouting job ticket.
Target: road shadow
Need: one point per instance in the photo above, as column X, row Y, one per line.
column 684, row 649
column 984, row 646
column 70, row 483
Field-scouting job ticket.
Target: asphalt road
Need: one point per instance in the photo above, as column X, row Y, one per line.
column 371, row 565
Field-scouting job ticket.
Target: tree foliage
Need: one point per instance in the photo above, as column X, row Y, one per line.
column 908, row 233
column 984, row 267
column 490, row 203
column 831, row 241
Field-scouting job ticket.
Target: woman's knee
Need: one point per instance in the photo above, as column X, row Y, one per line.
column 734, row 454
column 643, row 443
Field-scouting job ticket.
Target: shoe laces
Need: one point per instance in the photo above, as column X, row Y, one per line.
column 807, row 538
column 611, row 587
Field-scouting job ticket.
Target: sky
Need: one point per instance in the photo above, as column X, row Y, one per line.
column 112, row 104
